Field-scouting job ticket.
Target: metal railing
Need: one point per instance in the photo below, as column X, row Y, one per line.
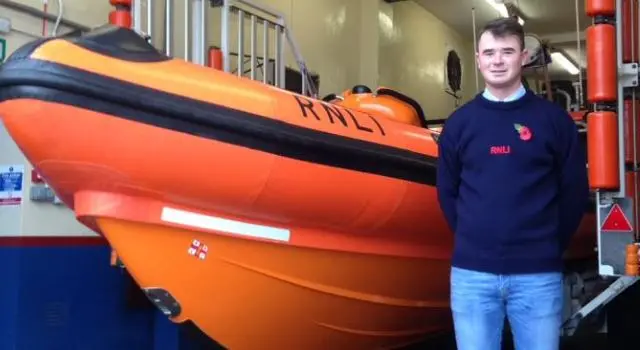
column 236, row 57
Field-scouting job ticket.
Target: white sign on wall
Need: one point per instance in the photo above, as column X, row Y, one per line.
column 11, row 179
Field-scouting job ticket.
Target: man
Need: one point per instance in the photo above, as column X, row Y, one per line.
column 512, row 184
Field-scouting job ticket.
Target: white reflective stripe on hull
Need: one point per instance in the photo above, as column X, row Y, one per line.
column 209, row 222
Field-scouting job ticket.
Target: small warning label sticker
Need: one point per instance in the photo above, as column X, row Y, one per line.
column 616, row 220
column 198, row 249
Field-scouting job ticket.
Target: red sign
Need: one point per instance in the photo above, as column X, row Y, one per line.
column 36, row 178
column 616, row 220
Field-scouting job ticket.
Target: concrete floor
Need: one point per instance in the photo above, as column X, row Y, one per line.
column 444, row 342
column 591, row 342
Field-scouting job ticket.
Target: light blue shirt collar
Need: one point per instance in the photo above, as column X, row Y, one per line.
column 516, row 95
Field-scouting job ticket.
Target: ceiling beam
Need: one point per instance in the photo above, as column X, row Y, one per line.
column 562, row 38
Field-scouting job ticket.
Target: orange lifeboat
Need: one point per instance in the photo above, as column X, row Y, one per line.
column 269, row 219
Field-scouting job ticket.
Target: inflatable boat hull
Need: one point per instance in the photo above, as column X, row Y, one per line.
column 389, row 274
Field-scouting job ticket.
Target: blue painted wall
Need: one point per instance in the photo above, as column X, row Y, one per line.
column 68, row 297
column 8, row 297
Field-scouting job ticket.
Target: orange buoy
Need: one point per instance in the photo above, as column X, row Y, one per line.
column 601, row 63
column 215, row 58
column 121, row 16
column 631, row 262
column 384, row 103
column 602, row 149
column 631, row 145
column 630, row 31
column 601, row 8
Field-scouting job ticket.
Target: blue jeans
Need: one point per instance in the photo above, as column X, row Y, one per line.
column 531, row 302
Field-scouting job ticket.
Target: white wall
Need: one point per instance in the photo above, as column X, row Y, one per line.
column 89, row 13
column 413, row 49
column 10, row 216
column 27, row 27
column 347, row 42
column 31, row 218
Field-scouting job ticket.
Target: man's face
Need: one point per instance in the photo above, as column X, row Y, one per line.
column 500, row 59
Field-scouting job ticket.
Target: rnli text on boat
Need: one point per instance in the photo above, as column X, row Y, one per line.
column 339, row 113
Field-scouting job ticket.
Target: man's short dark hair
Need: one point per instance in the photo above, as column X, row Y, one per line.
column 503, row 27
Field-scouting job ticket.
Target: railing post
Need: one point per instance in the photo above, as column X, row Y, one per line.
column 265, row 52
column 199, row 31
column 136, row 13
column 224, row 36
column 240, row 70
column 278, row 57
column 253, row 47
column 168, row 28
column 150, row 17
column 187, row 30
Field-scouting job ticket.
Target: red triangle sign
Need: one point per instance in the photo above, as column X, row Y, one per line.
column 616, row 220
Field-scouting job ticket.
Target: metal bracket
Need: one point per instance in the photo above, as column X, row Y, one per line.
column 164, row 301
column 628, row 75
column 614, row 289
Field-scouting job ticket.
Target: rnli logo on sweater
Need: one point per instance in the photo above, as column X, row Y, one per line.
column 498, row 150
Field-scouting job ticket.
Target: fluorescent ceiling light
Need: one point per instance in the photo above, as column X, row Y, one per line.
column 562, row 60
column 502, row 10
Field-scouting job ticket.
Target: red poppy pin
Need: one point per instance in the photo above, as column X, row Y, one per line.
column 525, row 133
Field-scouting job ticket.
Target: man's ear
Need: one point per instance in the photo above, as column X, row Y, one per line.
column 524, row 56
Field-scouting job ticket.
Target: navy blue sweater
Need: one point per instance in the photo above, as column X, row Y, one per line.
column 512, row 184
